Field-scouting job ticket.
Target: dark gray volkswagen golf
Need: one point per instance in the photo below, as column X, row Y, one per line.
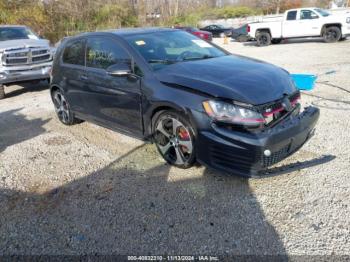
column 194, row 100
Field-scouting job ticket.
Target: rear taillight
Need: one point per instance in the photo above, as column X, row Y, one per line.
column 248, row 28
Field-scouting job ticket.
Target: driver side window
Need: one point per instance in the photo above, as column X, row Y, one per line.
column 103, row 52
column 308, row 15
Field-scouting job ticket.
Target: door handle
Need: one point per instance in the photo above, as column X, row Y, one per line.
column 83, row 77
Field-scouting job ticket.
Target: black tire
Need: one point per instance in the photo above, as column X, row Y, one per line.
column 332, row 34
column 174, row 137
column 2, row 91
column 276, row 41
column 62, row 108
column 263, row 38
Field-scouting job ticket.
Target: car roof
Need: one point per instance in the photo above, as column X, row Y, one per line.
column 139, row 30
column 120, row 32
column 126, row 31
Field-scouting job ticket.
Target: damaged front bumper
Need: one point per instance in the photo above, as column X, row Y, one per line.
column 250, row 154
column 14, row 74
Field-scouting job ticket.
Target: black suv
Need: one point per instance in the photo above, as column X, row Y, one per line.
column 194, row 100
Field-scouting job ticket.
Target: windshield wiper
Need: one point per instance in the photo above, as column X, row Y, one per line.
column 161, row 61
column 198, row 58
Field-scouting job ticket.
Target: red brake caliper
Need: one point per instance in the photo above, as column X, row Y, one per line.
column 184, row 135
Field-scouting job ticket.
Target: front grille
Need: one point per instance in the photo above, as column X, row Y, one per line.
column 41, row 58
column 276, row 110
column 275, row 156
column 16, row 61
column 26, row 56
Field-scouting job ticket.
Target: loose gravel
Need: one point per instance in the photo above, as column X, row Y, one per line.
column 86, row 190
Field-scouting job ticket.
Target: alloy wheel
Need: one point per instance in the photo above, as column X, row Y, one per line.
column 331, row 35
column 174, row 141
column 61, row 107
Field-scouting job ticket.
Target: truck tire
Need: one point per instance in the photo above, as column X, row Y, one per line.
column 332, row 34
column 276, row 41
column 2, row 92
column 263, row 38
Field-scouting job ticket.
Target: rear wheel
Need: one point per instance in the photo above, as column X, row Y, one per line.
column 2, row 91
column 263, row 38
column 62, row 109
column 174, row 137
column 332, row 34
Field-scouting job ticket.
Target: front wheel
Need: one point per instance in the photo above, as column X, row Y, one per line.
column 263, row 39
column 332, row 34
column 2, row 92
column 175, row 139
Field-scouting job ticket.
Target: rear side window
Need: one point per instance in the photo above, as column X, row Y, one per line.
column 104, row 52
column 292, row 15
column 74, row 53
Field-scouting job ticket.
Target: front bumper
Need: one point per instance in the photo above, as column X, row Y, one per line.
column 25, row 73
column 242, row 153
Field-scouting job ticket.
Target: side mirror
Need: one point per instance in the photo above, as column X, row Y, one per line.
column 119, row 70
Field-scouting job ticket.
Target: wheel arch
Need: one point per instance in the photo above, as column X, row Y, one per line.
column 262, row 30
column 156, row 110
column 325, row 26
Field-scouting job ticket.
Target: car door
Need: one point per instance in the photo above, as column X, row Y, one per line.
column 290, row 25
column 73, row 69
column 114, row 101
column 309, row 24
column 216, row 30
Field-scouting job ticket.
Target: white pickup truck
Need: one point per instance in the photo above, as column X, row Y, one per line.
column 23, row 56
column 303, row 22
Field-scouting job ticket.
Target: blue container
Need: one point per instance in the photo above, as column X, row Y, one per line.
column 304, row 82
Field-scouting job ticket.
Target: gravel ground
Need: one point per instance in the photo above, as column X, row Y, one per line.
column 85, row 189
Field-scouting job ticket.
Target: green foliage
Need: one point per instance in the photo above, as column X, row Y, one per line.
column 60, row 18
column 186, row 20
column 230, row 12
column 112, row 16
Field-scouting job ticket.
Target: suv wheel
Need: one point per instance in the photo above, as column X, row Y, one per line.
column 263, row 38
column 174, row 137
column 332, row 34
column 62, row 109
column 2, row 92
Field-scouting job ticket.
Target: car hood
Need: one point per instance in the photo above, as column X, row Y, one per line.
column 230, row 77
column 23, row 43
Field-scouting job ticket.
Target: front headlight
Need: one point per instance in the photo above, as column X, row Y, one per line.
column 232, row 114
column 348, row 20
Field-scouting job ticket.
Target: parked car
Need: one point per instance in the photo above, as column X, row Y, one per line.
column 240, row 34
column 23, row 55
column 218, row 30
column 194, row 100
column 195, row 31
column 303, row 22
